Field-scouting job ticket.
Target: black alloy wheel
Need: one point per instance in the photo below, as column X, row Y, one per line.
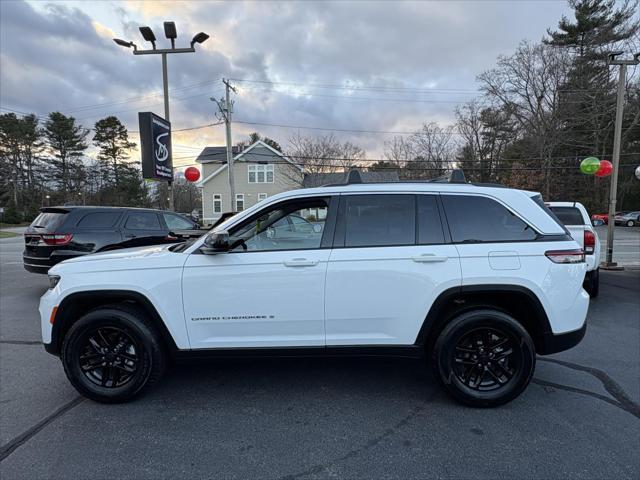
column 113, row 353
column 109, row 358
column 484, row 358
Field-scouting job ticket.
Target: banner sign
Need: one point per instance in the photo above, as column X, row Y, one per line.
column 155, row 146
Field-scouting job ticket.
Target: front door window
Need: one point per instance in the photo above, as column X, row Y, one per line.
column 283, row 227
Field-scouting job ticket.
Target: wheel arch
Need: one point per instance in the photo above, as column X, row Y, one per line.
column 77, row 304
column 517, row 301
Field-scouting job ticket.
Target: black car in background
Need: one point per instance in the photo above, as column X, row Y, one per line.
column 60, row 233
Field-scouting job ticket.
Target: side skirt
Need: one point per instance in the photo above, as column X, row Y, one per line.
column 406, row 351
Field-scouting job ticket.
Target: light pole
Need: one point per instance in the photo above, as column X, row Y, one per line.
column 171, row 33
column 617, row 138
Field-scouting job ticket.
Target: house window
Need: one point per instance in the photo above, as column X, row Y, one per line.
column 260, row 173
column 262, row 196
column 239, row 202
column 217, row 203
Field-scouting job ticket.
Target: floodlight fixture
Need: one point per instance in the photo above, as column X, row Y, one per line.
column 148, row 35
column 199, row 38
column 170, row 32
column 124, row 43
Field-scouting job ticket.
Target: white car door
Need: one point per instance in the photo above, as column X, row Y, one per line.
column 389, row 263
column 268, row 291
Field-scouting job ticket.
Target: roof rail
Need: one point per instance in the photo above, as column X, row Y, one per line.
column 455, row 175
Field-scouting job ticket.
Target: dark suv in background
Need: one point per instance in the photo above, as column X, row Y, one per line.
column 60, row 233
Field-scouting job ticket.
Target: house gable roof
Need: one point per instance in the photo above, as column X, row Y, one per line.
column 219, row 155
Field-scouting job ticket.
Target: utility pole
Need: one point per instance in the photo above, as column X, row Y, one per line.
column 171, row 34
column 225, row 105
column 617, row 139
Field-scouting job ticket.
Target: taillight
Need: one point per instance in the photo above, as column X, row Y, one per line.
column 565, row 256
column 56, row 238
column 589, row 241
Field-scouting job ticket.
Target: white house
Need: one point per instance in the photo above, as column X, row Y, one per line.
column 259, row 172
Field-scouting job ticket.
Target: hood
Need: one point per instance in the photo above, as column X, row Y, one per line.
column 124, row 253
column 156, row 256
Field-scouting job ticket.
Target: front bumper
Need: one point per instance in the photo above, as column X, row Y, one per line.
column 48, row 302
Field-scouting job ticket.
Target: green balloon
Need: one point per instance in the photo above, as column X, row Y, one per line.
column 590, row 165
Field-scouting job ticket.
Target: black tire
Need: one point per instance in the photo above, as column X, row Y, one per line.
column 112, row 353
column 592, row 283
column 465, row 375
column 630, row 223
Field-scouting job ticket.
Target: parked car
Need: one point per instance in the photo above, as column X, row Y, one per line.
column 574, row 216
column 476, row 279
column 61, row 233
column 603, row 216
column 628, row 219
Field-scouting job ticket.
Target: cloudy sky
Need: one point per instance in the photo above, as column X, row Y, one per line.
column 374, row 66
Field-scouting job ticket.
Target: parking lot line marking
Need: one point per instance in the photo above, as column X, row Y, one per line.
column 9, row 447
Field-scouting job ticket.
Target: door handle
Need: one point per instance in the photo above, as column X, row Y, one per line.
column 129, row 235
column 429, row 257
column 300, row 262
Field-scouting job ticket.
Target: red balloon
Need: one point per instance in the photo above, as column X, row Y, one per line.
column 192, row 174
column 606, row 167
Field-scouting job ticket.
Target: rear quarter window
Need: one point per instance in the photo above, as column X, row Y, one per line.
column 475, row 219
column 49, row 221
column 568, row 215
column 99, row 220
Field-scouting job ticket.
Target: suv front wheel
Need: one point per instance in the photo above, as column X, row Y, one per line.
column 112, row 353
column 484, row 358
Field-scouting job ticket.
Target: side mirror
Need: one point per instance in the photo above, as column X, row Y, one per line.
column 217, row 242
column 597, row 222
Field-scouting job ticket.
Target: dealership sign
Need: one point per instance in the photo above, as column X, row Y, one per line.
column 155, row 145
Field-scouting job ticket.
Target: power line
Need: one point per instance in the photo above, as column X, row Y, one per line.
column 343, row 159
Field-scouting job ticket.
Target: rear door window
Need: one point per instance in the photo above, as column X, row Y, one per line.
column 378, row 220
column 568, row 215
column 474, row 219
column 97, row 220
column 143, row 221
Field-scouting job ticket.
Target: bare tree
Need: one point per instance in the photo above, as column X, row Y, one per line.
column 486, row 133
column 427, row 153
column 323, row 154
column 527, row 85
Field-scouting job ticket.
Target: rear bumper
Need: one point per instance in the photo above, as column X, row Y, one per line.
column 42, row 265
column 563, row 341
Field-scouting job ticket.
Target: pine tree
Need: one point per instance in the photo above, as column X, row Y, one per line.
column 66, row 141
column 587, row 100
column 112, row 139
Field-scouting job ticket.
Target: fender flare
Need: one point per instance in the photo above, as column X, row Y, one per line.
column 76, row 304
column 457, row 295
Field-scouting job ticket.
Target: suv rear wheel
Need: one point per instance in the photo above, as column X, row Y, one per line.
column 592, row 283
column 484, row 358
column 112, row 353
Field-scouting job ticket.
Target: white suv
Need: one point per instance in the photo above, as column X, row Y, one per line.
column 574, row 216
column 477, row 279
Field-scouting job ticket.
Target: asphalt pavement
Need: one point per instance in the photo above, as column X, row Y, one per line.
column 322, row 418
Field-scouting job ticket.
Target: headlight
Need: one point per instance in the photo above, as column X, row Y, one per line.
column 53, row 281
